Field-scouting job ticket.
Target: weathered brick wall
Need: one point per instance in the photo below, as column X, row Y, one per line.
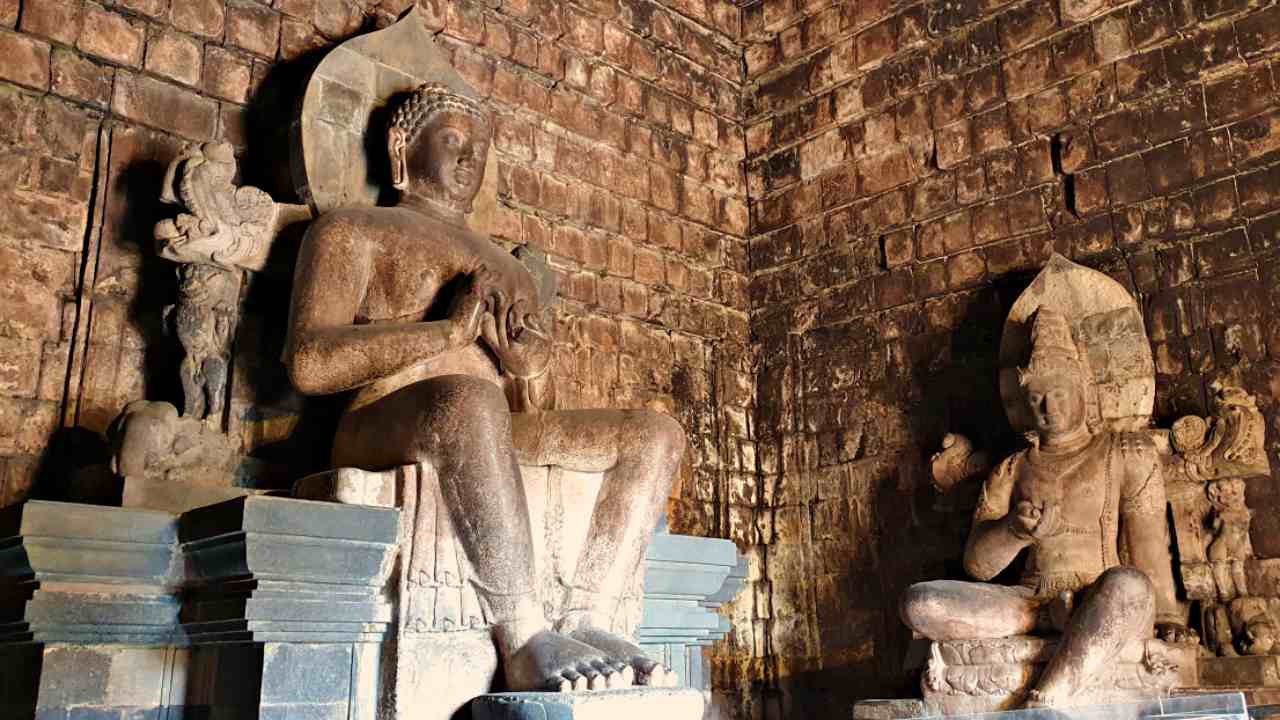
column 910, row 164
column 618, row 151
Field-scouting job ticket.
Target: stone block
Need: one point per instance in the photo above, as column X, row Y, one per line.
column 168, row 107
column 253, row 27
column 305, row 673
column 112, row 36
column 175, row 497
column 227, row 75
column 202, row 17
column 79, row 78
column 24, row 60
column 887, row 709
column 57, row 20
column 175, row 56
column 637, row 704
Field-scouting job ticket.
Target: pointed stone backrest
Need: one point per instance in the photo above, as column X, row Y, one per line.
column 1108, row 329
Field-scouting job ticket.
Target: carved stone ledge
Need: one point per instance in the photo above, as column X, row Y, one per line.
column 974, row 676
column 277, row 569
column 85, row 573
column 637, row 703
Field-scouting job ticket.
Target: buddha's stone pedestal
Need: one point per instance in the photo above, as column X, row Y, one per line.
column 630, row 704
column 975, row 676
column 263, row 608
column 442, row 654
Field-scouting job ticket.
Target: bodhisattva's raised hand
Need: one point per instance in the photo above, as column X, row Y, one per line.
column 512, row 331
column 470, row 305
column 1035, row 520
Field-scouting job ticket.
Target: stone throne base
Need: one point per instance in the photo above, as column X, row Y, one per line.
column 975, row 676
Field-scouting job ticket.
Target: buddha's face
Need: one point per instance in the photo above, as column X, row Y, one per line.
column 1056, row 402
column 448, row 157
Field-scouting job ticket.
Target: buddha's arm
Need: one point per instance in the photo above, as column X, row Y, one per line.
column 1143, row 519
column 325, row 353
column 992, row 544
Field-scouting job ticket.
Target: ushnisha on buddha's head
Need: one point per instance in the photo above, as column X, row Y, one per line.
column 438, row 143
column 1054, row 382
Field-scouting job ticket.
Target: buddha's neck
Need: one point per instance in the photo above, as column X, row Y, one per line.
column 434, row 208
column 1070, row 441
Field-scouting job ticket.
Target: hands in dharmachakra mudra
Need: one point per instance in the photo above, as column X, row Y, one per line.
column 1069, row 500
column 437, row 330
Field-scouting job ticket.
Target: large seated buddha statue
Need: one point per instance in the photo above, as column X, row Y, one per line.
column 439, row 332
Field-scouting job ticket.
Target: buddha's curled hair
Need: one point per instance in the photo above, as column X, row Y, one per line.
column 429, row 99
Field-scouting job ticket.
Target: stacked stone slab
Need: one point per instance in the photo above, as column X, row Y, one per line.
column 253, row 608
column 686, row 580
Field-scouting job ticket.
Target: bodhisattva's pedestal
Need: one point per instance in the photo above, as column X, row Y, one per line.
column 977, row 676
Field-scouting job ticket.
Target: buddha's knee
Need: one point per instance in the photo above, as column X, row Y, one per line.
column 463, row 410
column 654, row 433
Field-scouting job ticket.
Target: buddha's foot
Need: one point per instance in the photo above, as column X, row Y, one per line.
column 647, row 671
column 551, row 661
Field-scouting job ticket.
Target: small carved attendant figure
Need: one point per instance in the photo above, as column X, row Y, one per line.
column 1231, row 520
column 429, row 322
column 1069, row 501
column 205, row 319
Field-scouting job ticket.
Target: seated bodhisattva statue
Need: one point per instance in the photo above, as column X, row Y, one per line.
column 1071, row 501
column 435, row 326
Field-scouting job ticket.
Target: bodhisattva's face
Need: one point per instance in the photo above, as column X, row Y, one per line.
column 447, row 158
column 1056, row 403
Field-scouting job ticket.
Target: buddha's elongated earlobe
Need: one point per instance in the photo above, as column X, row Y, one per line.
column 396, row 142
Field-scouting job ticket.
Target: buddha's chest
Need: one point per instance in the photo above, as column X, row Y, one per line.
column 414, row 281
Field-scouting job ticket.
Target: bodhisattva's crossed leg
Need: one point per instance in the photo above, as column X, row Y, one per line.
column 638, row 452
column 462, row 427
column 1118, row 608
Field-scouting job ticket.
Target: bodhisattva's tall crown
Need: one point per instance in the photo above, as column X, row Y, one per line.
column 1053, row 350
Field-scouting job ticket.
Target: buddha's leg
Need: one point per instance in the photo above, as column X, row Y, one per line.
column 1120, row 607
column 461, row 426
column 956, row 610
column 639, row 453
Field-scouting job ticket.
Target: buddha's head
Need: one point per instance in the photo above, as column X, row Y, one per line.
column 1054, row 383
column 439, row 142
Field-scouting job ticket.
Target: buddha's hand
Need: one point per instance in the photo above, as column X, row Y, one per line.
column 516, row 336
column 1176, row 632
column 1035, row 521
column 469, row 306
